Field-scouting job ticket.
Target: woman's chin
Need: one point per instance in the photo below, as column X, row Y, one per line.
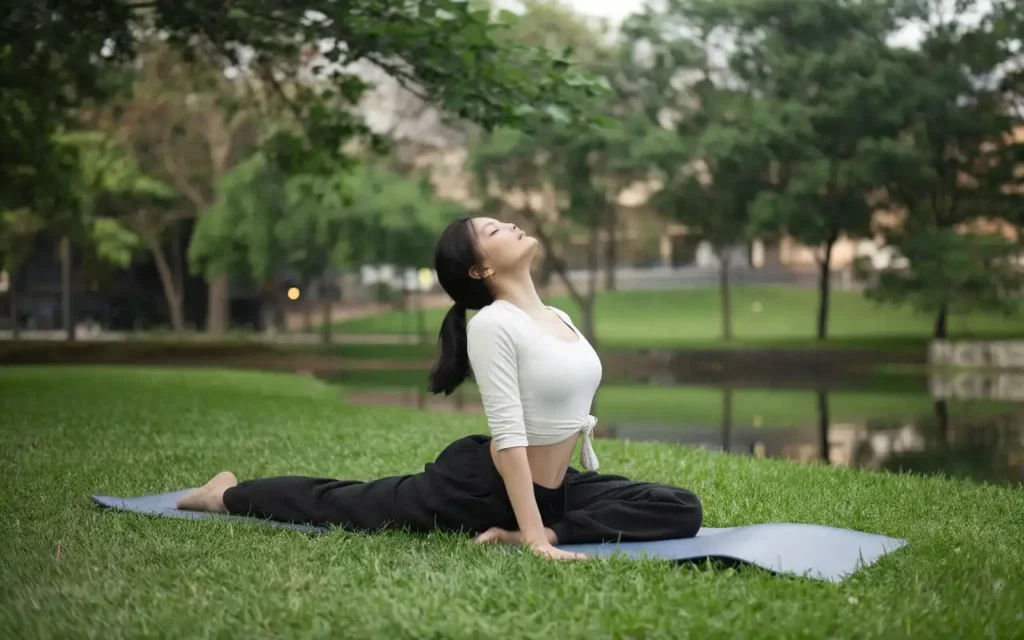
column 531, row 248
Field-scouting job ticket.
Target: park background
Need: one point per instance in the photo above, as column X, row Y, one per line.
column 794, row 230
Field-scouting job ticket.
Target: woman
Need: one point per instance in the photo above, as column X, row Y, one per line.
column 537, row 377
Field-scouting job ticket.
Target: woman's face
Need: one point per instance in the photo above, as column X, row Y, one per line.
column 504, row 247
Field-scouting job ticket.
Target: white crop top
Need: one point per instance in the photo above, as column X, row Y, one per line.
column 536, row 388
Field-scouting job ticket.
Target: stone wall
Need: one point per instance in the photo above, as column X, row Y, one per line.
column 996, row 354
column 1003, row 385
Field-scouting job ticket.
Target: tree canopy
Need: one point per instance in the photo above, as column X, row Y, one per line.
column 58, row 56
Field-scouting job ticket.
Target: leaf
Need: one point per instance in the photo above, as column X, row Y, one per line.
column 113, row 243
column 559, row 114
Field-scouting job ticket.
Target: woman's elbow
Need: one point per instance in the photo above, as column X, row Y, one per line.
column 510, row 459
column 505, row 442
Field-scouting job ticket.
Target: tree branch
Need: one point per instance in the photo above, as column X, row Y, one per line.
column 403, row 78
column 268, row 75
column 180, row 182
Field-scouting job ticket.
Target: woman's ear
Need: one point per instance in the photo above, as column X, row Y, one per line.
column 476, row 273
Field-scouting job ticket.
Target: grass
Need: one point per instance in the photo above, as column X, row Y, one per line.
column 691, row 318
column 71, row 570
column 149, row 350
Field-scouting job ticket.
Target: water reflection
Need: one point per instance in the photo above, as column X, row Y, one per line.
column 983, row 449
column 985, row 444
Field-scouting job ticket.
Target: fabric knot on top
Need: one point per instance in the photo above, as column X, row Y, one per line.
column 587, row 456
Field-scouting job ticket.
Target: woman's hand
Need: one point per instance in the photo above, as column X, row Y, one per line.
column 545, row 548
column 554, row 553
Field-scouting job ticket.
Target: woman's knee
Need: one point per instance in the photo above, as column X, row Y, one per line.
column 686, row 508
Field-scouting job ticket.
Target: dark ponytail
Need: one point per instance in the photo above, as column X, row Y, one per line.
column 454, row 257
column 452, row 366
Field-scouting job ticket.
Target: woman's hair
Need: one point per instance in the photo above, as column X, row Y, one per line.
column 456, row 253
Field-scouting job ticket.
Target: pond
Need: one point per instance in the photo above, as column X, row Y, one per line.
column 906, row 430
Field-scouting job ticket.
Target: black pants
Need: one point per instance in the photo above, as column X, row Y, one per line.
column 462, row 491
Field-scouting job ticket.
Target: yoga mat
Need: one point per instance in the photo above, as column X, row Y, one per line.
column 805, row 550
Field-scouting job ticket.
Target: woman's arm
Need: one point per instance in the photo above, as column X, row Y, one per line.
column 514, row 468
column 493, row 360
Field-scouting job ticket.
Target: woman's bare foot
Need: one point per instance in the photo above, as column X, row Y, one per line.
column 210, row 496
column 503, row 536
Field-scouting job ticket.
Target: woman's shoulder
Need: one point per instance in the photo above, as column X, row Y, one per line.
column 494, row 317
column 493, row 325
column 563, row 315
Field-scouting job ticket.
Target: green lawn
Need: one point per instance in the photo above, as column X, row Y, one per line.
column 691, row 317
column 157, row 350
column 71, row 570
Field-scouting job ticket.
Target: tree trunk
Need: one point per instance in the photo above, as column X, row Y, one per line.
column 274, row 302
column 178, row 262
column 65, row 288
column 942, row 420
column 172, row 293
column 726, row 419
column 307, row 309
column 588, row 308
column 941, row 322
column 611, row 250
column 724, row 293
column 421, row 318
column 218, row 304
column 589, row 328
column 272, row 310
column 12, row 295
column 825, row 288
column 326, row 330
column 824, row 421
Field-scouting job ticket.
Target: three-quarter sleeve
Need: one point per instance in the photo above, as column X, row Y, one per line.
column 493, row 359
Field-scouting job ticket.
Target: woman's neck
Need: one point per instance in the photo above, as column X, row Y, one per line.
column 522, row 293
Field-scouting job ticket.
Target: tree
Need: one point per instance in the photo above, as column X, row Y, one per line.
column 99, row 177
column 300, row 58
column 127, row 208
column 611, row 166
column 52, row 62
column 829, row 86
column 245, row 232
column 266, row 223
column 956, row 167
column 401, row 216
column 712, row 161
column 186, row 124
column 953, row 271
column 1007, row 26
column 450, row 52
column 18, row 227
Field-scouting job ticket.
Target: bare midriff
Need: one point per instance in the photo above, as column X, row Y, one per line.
column 548, row 462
